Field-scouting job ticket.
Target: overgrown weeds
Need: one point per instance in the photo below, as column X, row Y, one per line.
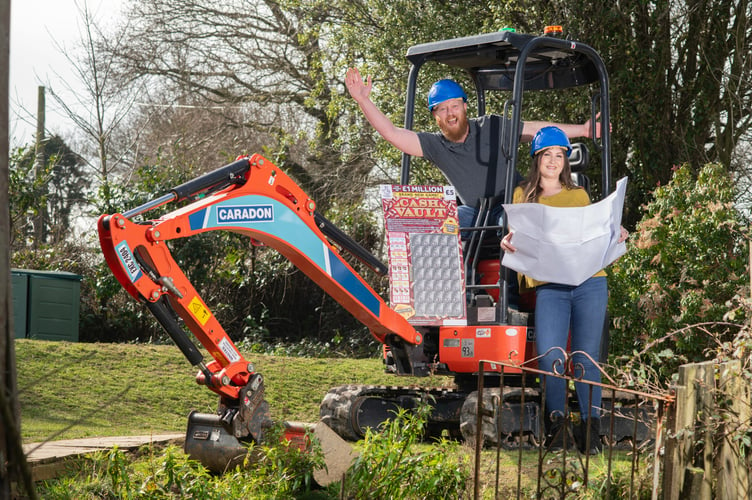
column 276, row 470
column 393, row 464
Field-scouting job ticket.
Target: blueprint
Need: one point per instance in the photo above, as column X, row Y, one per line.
column 566, row 245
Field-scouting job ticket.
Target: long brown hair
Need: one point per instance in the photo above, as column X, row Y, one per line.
column 531, row 186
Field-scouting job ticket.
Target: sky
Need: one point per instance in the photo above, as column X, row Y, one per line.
column 37, row 27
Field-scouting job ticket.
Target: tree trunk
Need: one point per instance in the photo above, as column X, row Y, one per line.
column 13, row 469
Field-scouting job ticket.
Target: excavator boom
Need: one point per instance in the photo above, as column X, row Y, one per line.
column 265, row 205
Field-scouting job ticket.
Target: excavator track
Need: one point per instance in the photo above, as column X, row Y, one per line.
column 510, row 422
column 350, row 410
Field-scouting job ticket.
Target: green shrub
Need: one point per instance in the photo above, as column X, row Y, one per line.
column 278, row 471
column 390, row 466
column 676, row 294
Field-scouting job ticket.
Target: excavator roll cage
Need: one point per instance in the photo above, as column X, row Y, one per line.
column 510, row 64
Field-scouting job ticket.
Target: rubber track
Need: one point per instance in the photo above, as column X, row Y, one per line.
column 336, row 409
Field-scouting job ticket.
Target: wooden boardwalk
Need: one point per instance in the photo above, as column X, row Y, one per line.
column 47, row 459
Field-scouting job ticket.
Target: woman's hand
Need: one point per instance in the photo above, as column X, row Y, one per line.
column 506, row 243
column 624, row 234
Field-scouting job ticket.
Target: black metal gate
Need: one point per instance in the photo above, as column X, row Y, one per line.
column 620, row 458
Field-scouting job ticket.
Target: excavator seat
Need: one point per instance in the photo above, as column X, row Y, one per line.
column 578, row 163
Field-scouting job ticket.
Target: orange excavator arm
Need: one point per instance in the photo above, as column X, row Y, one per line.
column 250, row 196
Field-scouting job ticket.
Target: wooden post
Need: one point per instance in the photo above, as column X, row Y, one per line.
column 9, row 411
column 733, row 470
column 13, row 467
column 678, row 447
column 705, row 477
column 702, row 459
column 40, row 161
column 680, row 474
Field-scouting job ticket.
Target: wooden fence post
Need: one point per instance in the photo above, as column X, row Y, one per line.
column 702, row 461
column 733, row 470
column 681, row 474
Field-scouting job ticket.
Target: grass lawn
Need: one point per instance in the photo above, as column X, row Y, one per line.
column 73, row 390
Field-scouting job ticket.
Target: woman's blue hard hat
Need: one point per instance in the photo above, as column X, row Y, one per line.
column 548, row 137
column 443, row 90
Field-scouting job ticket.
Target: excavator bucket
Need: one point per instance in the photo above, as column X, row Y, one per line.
column 338, row 455
column 210, row 441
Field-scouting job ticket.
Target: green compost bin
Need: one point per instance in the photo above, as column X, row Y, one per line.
column 20, row 291
column 46, row 304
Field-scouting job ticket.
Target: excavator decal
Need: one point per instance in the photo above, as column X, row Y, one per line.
column 199, row 310
column 128, row 262
column 266, row 216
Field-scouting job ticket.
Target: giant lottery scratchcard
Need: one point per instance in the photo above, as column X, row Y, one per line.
column 427, row 285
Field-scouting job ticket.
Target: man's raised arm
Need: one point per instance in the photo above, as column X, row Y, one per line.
column 573, row 130
column 405, row 140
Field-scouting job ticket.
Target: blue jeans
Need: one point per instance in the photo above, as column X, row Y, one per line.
column 467, row 215
column 581, row 309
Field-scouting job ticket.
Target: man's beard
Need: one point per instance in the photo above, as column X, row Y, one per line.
column 457, row 133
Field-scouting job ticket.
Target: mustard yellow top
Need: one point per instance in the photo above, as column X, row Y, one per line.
column 576, row 197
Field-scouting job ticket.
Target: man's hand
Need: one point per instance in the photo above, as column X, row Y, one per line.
column 588, row 126
column 405, row 140
column 354, row 82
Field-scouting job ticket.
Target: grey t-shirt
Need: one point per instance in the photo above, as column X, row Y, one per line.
column 473, row 166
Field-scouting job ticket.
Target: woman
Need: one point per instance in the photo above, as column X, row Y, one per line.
column 561, row 308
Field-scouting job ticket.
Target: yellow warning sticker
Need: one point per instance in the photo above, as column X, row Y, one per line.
column 198, row 310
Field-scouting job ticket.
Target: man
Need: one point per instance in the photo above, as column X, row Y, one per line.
column 465, row 150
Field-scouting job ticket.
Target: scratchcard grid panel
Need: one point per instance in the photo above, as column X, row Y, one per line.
column 437, row 275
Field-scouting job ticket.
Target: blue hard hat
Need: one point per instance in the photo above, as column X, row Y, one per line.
column 548, row 137
column 444, row 90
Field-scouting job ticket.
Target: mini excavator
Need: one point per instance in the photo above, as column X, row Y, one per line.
column 253, row 197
